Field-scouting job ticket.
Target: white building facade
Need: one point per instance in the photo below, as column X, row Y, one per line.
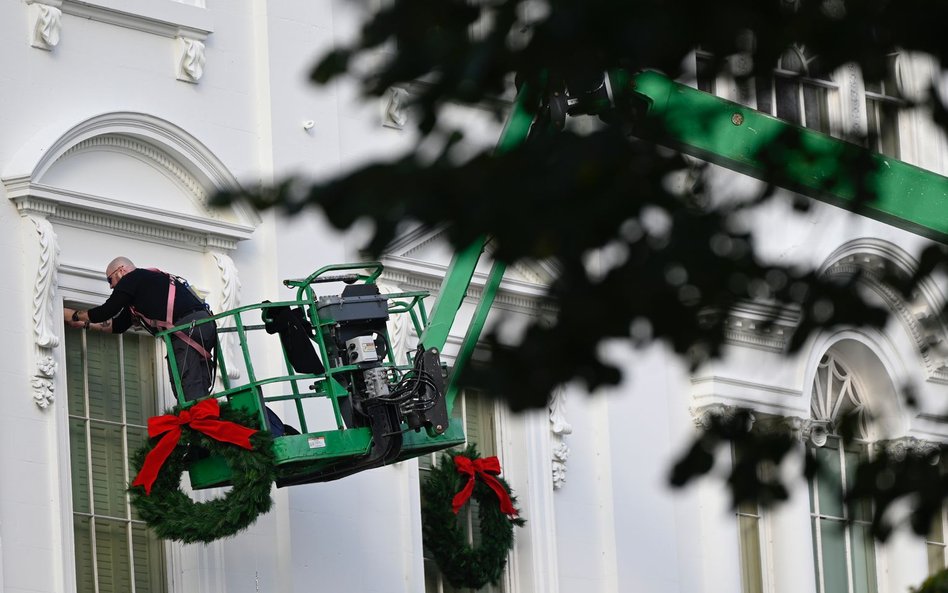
column 120, row 119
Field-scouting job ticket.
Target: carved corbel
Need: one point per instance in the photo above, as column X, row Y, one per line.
column 394, row 114
column 45, row 323
column 42, row 382
column 559, row 428
column 190, row 59
column 902, row 447
column 45, row 24
column 801, row 430
column 704, row 416
column 229, row 299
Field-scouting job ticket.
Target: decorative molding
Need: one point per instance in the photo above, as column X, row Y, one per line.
column 153, row 156
column 163, row 145
column 801, row 430
column 187, row 24
column 901, row 448
column 45, row 25
column 559, row 428
column 920, row 315
column 34, row 159
column 505, row 297
column 405, row 250
column 42, row 380
column 704, row 416
column 836, row 396
column 399, row 326
column 229, row 299
column 45, row 331
column 163, row 226
column 189, row 59
column 394, row 113
column 760, row 326
column 857, row 101
column 166, row 19
column 43, row 394
column 414, row 241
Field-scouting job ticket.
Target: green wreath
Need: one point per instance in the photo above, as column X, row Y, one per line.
column 174, row 515
column 463, row 565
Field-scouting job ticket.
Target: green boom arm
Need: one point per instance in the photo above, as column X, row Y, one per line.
column 816, row 165
column 457, row 279
column 738, row 138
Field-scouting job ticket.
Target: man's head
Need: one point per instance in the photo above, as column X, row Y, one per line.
column 117, row 268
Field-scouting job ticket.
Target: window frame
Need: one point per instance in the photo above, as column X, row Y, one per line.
column 881, row 100
column 930, row 543
column 461, row 402
column 847, row 521
column 170, row 551
column 762, row 517
column 803, row 79
column 842, row 393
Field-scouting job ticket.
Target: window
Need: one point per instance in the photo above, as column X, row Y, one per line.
column 111, row 393
column 798, row 91
column 476, row 411
column 843, row 548
column 883, row 104
column 935, row 544
column 844, row 551
column 704, row 71
column 750, row 525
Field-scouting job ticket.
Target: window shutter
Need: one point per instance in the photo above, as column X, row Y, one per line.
column 111, row 393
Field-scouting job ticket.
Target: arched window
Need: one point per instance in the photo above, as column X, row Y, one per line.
column 797, row 91
column 843, row 548
column 836, row 398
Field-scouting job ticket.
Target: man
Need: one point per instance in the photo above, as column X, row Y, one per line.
column 142, row 296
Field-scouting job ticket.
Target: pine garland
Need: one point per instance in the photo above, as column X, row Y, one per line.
column 462, row 565
column 936, row 583
column 174, row 515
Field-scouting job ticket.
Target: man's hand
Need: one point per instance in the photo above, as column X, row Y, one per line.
column 84, row 323
column 67, row 317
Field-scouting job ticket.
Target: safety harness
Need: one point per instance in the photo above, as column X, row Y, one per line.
column 157, row 325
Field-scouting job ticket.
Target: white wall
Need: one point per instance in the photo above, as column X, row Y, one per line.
column 614, row 526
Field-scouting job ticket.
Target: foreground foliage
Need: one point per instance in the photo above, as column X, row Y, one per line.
column 680, row 263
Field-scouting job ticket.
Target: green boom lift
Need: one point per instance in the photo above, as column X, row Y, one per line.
column 337, row 348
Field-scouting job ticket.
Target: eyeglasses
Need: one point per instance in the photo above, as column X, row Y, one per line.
column 108, row 277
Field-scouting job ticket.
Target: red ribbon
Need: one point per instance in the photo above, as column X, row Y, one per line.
column 202, row 417
column 484, row 468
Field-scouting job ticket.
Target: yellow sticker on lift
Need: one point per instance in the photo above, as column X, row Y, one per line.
column 317, row 442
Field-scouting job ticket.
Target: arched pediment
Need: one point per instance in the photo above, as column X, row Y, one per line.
column 875, row 260
column 60, row 174
column 421, row 256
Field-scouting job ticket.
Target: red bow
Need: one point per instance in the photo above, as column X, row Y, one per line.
column 483, row 468
column 202, row 417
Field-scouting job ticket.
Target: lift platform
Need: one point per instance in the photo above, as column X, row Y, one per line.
column 339, row 365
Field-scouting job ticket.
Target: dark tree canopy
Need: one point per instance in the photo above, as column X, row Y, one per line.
column 583, row 191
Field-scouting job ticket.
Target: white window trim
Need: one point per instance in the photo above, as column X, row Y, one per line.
column 765, row 537
column 943, row 518
column 858, row 397
column 878, row 556
column 166, row 19
column 75, row 286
